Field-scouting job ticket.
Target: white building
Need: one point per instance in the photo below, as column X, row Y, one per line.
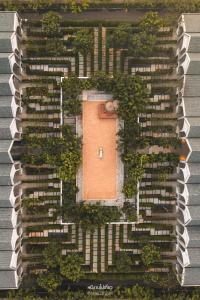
column 10, row 170
column 188, row 186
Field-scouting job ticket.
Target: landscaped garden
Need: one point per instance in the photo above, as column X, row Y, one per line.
column 135, row 63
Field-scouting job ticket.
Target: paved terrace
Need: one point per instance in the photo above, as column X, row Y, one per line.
column 101, row 174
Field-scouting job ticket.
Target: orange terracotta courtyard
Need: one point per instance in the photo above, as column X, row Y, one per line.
column 99, row 169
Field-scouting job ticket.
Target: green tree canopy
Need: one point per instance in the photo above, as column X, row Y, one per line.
column 139, row 293
column 70, row 295
column 150, row 254
column 63, row 153
column 90, row 216
column 70, row 162
column 83, row 41
column 130, row 211
column 135, row 166
column 70, row 267
column 55, row 46
column 151, row 22
column 51, row 23
column 130, row 136
column 123, row 262
column 102, row 82
column 121, row 35
column 72, row 88
column 142, row 44
column 76, row 6
column 132, row 95
column 12, row 5
column 51, row 255
column 38, row 4
column 50, row 281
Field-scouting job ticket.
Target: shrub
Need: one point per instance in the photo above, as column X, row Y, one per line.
column 12, row 5
column 83, row 41
column 121, row 35
column 51, row 255
column 70, row 162
column 70, row 267
column 130, row 211
column 150, row 254
column 132, row 95
column 72, row 88
column 134, row 165
column 39, row 4
column 51, row 23
column 49, row 281
column 142, row 44
column 75, row 6
column 123, row 262
column 151, row 23
column 63, row 153
column 91, row 216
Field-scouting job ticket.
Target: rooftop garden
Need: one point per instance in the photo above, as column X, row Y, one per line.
column 135, row 63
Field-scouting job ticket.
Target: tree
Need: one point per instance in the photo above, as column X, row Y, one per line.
column 121, row 35
column 102, row 82
column 195, row 294
column 70, row 267
column 19, row 295
column 178, row 296
column 72, row 107
column 130, row 211
column 91, row 216
column 38, row 4
column 63, row 153
column 30, row 202
column 83, row 41
column 55, row 46
column 132, row 95
column 69, row 191
column 69, row 295
column 142, row 44
column 129, row 189
column 27, row 290
column 51, row 23
column 70, row 162
column 134, row 164
column 12, row 5
column 75, row 6
column 151, row 23
column 139, row 293
column 51, row 255
column 130, row 136
column 72, row 88
column 50, row 281
column 123, row 262
column 149, row 254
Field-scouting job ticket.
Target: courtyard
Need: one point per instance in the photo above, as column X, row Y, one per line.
column 99, row 154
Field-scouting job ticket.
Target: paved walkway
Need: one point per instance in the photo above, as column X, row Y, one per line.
column 99, row 174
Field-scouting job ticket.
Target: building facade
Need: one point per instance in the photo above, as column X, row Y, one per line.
column 10, row 168
column 188, row 186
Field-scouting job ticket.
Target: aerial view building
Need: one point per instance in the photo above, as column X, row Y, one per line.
column 99, row 150
column 10, row 167
column 188, row 172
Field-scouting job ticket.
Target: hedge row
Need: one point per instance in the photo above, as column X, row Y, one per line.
column 80, row 23
column 144, row 5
